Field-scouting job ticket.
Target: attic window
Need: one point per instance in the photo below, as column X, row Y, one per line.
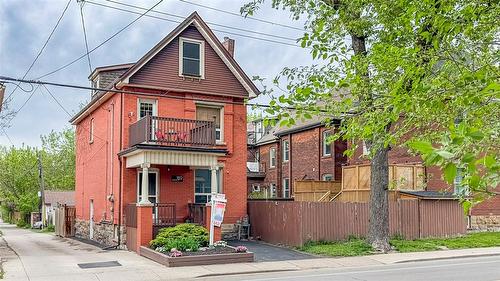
column 191, row 58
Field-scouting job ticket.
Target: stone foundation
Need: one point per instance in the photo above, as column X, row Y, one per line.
column 105, row 233
column 485, row 223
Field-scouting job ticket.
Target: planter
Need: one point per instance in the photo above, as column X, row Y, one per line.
column 195, row 260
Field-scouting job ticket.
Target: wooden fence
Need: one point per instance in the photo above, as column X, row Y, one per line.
column 356, row 181
column 295, row 223
column 313, row 191
column 64, row 219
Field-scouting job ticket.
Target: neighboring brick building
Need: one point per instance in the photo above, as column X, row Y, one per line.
column 299, row 152
column 157, row 150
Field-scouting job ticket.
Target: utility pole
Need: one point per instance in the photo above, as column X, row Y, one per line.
column 42, row 187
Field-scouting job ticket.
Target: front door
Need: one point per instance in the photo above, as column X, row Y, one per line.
column 91, row 220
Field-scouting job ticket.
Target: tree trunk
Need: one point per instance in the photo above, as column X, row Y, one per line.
column 378, row 234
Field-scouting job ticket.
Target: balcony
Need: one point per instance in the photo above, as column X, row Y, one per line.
column 172, row 132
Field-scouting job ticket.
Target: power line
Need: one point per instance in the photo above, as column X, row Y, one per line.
column 128, row 92
column 85, row 35
column 43, row 48
column 7, row 135
column 239, row 15
column 176, row 21
column 102, row 43
column 210, row 23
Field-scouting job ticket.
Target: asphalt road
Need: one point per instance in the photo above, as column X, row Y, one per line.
column 466, row 269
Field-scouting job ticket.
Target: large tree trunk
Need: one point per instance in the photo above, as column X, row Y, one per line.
column 378, row 234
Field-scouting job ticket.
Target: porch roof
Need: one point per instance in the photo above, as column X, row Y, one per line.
column 162, row 155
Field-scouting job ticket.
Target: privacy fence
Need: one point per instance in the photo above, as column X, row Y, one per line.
column 295, row 223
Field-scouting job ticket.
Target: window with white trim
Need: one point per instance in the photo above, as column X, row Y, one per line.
column 152, row 186
column 91, row 131
column 286, row 150
column 272, row 157
column 327, row 177
column 286, row 188
column 327, row 147
column 146, row 107
column 191, row 57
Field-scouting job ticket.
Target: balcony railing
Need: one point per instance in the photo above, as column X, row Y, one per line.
column 172, row 132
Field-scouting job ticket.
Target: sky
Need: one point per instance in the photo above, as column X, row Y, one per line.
column 26, row 24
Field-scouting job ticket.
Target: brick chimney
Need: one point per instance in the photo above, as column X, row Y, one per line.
column 229, row 45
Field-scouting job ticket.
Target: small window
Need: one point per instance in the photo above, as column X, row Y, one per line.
column 327, row 147
column 191, row 57
column 272, row 157
column 286, row 188
column 286, row 151
column 146, row 107
column 91, row 131
column 255, row 188
column 272, row 186
column 327, row 177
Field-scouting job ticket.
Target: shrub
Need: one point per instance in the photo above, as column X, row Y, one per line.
column 22, row 224
column 191, row 231
column 181, row 244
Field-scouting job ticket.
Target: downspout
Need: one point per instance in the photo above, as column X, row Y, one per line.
column 290, row 178
column 320, row 154
column 120, row 174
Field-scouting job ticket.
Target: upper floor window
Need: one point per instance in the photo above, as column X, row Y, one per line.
column 286, row 188
column 213, row 113
column 327, row 147
column 191, row 57
column 272, row 157
column 146, row 107
column 91, row 131
column 286, row 151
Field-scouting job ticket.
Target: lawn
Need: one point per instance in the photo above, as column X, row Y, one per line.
column 358, row 247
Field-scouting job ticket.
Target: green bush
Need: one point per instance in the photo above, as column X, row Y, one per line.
column 22, row 224
column 185, row 230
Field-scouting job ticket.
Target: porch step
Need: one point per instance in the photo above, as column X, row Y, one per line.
column 228, row 232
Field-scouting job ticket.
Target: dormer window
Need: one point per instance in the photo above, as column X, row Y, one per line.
column 191, row 58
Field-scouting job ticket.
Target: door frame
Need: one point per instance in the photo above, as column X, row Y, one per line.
column 155, row 171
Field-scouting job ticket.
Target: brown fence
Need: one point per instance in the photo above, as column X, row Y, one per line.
column 313, row 191
column 130, row 214
column 294, row 223
column 64, row 219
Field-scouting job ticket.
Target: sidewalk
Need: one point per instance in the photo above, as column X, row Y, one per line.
column 41, row 256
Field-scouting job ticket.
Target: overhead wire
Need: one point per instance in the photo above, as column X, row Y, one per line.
column 208, row 22
column 85, row 35
column 101, row 44
column 42, row 49
column 213, row 29
column 240, row 15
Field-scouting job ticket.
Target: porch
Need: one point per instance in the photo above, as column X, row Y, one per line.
column 164, row 187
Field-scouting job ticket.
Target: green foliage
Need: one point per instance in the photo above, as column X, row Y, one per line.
column 257, row 195
column 426, row 65
column 181, row 243
column 22, row 224
column 19, row 183
column 351, row 247
column 474, row 240
column 175, row 235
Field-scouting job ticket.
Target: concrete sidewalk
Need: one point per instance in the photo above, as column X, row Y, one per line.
column 28, row 255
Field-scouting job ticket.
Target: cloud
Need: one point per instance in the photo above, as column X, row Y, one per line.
column 24, row 28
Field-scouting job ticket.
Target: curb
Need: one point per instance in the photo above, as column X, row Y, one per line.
column 450, row 258
column 246, row 272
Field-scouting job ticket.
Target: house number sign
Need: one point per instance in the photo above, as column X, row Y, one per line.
column 177, row 178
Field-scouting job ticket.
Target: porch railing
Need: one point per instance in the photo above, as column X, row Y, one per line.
column 172, row 132
column 197, row 213
column 163, row 216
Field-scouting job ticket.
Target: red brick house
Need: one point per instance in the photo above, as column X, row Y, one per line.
column 168, row 131
column 299, row 152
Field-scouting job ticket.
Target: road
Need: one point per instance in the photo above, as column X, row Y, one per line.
column 466, row 269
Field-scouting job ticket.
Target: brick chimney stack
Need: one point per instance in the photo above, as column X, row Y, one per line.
column 229, row 45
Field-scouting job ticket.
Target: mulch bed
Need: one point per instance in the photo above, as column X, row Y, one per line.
column 213, row 251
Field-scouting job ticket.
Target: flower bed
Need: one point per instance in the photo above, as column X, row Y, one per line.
column 217, row 255
column 186, row 244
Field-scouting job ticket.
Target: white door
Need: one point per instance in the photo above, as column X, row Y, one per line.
column 91, row 221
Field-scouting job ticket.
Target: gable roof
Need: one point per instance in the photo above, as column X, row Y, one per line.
column 209, row 36
column 195, row 20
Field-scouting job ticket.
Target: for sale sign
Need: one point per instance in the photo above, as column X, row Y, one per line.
column 218, row 213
